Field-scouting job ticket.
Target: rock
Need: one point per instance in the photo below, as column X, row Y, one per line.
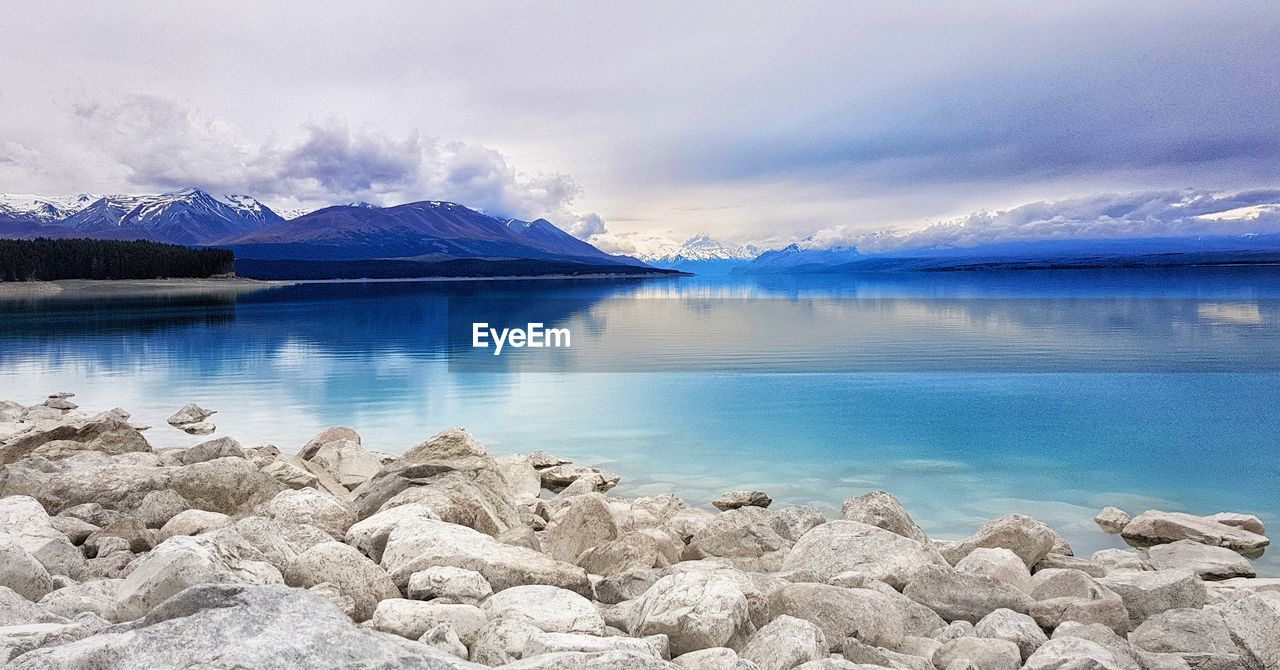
column 1121, row 560
column 190, row 413
column 312, row 507
column 550, row 643
column 694, row 610
column 551, row 609
column 105, row 434
column 917, row 620
column 1112, row 520
column 868, row 615
column 96, row 595
column 749, row 537
column 735, row 499
column 444, row 584
column 417, row 543
column 370, row 535
column 137, row 538
column 1185, row 632
column 557, row 477
column 345, row 603
column 17, row 640
column 599, row 660
column 182, row 562
column 1061, row 583
column 24, row 522
column 613, row 589
column 292, row 476
column 793, row 522
column 1021, row 534
column 521, row 476
column 999, row 564
column 859, row 652
column 956, row 595
column 1146, row 594
column 1154, row 527
column 1254, row 623
column 193, row 522
column 1100, row 605
column 222, row 447
column 1247, row 522
column 785, row 643
column 541, row 460
column 413, row 618
column 346, row 568
column 450, row 444
column 21, row 572
column 714, row 658
column 841, row 546
column 584, row 523
column 75, row 529
column 983, row 653
column 1207, row 561
column 637, row 550
column 157, row 507
column 955, row 629
column 444, row 638
column 325, row 437
column 502, row 641
column 882, row 510
column 1071, row 653
column 1020, row 629
column 349, row 463
column 240, row 626
column 198, row 428
column 1053, row 560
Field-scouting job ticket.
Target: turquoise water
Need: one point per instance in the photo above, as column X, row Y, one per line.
column 967, row 395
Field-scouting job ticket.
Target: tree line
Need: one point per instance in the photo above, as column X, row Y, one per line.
column 44, row 259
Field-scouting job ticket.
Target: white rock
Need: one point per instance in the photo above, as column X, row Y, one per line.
column 1255, row 625
column 23, row 521
column 20, row 571
column 413, row 618
column 841, row 546
column 198, row 428
column 882, row 510
column 190, row 413
column 444, row 638
column 785, row 643
column 1155, row 527
column 1112, row 520
column 550, row 643
column 446, row 584
column 999, row 564
column 312, row 507
column 1207, row 561
column 1146, row 594
column 872, row 617
column 346, row 568
column 983, row 653
column 1021, row 534
column 694, row 610
column 193, row 522
column 551, row 609
column 502, row 641
column 735, row 499
column 1020, row 629
column 958, row 595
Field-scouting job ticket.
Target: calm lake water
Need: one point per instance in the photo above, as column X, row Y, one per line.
column 967, row 395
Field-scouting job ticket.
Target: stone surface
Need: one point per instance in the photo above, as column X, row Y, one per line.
column 222, row 447
column 351, row 572
column 694, row 610
column 502, row 641
column 551, row 609
column 21, row 572
column 1254, row 623
column 193, row 522
column 882, row 510
column 413, row 618
column 1186, row 630
column 1154, row 527
column 549, row 643
column 1112, row 520
column 1020, row 629
column 785, row 643
column 446, row 584
column 1146, row 594
column 1248, row 522
column 1021, row 534
column 999, row 564
column 1121, row 560
column 23, row 521
column 190, row 413
column 1207, row 561
column 198, row 428
column 241, row 627
column 868, row 615
column 444, row 638
column 841, row 546
column 585, row 522
column 736, row 499
column 983, row 653
column 956, row 595
column 157, row 507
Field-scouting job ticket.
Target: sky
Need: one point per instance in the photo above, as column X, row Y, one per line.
column 638, row 124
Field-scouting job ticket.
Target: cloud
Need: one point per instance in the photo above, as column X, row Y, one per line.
column 163, row 144
column 1178, row 213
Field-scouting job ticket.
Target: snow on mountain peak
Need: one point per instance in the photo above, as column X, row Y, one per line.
column 702, row 247
column 44, row 208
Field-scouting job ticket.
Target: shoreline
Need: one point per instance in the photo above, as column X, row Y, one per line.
column 456, row 558
column 95, row 287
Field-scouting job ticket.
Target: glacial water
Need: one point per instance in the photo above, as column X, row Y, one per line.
column 967, row 395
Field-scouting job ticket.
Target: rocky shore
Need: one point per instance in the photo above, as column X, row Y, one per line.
column 226, row 555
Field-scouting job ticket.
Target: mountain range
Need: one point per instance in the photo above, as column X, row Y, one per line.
column 420, row 232
column 701, row 254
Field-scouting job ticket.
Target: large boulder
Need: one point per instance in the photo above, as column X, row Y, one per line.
column 1154, row 527
column 1254, row 622
column 190, row 413
column 752, row 538
column 591, row 660
column 983, row 653
column 312, row 507
column 1098, row 605
column 1146, row 594
column 24, row 522
column 585, row 522
column 1199, row 633
column 413, row 618
column 502, row 641
column 1207, row 561
column 105, row 433
column 97, row 596
column 182, row 562
column 418, row 543
column 470, row 492
column 349, row 463
column 193, row 522
column 960, row 596
column 882, row 510
column 1112, row 520
column 736, row 499
column 241, row 626
column 21, row 572
column 843, row 546
column 551, row 609
column 445, row 584
column 1030, row 539
column 350, row 571
column 999, row 564
column 1020, row 629
column 327, row 436
column 1071, row 653
column 550, row 643
column 222, row 447
column 867, row 615
column 276, row 542
column 784, row 643
column 695, row 610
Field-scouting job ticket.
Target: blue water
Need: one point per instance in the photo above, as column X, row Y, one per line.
column 967, row 395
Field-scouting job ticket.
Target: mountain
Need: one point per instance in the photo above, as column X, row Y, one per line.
column 190, row 216
column 794, row 258
column 702, row 255
column 42, row 208
column 426, row 231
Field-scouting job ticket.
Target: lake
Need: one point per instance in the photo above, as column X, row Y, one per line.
column 967, row 395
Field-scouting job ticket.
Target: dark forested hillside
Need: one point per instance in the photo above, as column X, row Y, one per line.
column 45, row 259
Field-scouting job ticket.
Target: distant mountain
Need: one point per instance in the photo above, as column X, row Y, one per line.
column 42, row 208
column 1030, row 255
column 190, row 216
column 424, row 231
column 702, row 255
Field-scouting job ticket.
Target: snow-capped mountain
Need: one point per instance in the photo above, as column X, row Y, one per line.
column 43, row 208
column 701, row 247
column 189, row 216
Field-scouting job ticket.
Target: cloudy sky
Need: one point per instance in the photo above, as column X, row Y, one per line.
column 755, row 122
